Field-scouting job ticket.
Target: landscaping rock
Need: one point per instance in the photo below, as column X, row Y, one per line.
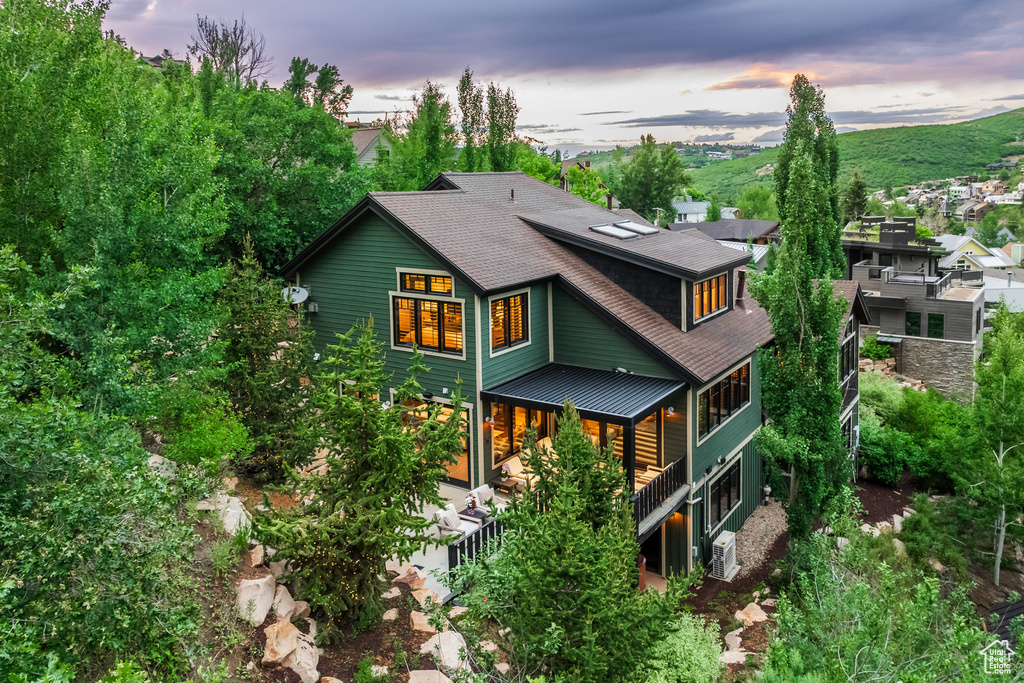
column 447, row 647
column 254, row 599
column 304, row 659
column 256, row 555
column 282, row 639
column 840, row 543
column 897, row 523
column 312, row 628
column 412, row 578
column 428, row 676
column 284, row 606
column 488, row 646
column 936, row 565
column 301, row 610
column 393, row 593
column 230, row 482
column 734, row 657
column 751, row 614
column 867, row 528
column 901, row 549
column 418, row 622
column 770, row 602
column 330, row 679
column 278, row 569
column 732, row 639
column 391, row 614
column 212, row 503
column 164, row 467
column 425, row 594
column 457, row 610
column 502, row 667
column 908, row 511
column 883, row 527
column 234, row 516
column 378, row 670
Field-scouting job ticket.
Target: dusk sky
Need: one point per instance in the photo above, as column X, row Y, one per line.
column 592, row 75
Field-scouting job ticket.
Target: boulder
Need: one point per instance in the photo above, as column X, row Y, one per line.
column 425, row 594
column 379, row 670
column 412, row 578
column 751, row 614
column 936, row 565
column 901, row 549
column 282, row 639
column 284, row 606
column 230, row 482
column 330, row 679
column 312, row 628
column 428, row 676
column 256, row 555
column 164, row 467
column 391, row 614
column 301, row 610
column 278, row 569
column 897, row 523
column 732, row 639
column 502, row 667
column 392, row 593
column 212, row 503
column 447, row 647
column 418, row 622
column 304, row 659
column 866, row 528
column 840, row 543
column 254, row 599
column 734, row 657
column 883, row 527
column 234, row 516
column 770, row 602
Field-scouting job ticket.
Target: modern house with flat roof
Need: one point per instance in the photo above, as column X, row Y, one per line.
column 931, row 317
column 532, row 296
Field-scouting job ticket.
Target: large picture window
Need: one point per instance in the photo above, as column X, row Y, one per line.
column 936, row 325
column 722, row 400
column 430, row 325
column 510, row 321
column 710, row 295
column 725, row 494
column 913, row 324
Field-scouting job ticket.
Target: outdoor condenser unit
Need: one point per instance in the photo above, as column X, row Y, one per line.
column 723, row 562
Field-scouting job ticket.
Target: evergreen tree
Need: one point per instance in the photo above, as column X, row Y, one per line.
column 855, row 199
column 802, row 444
column 808, row 124
column 714, row 210
column 269, row 355
column 651, row 179
column 988, row 232
column 471, row 104
column 564, row 581
column 502, row 111
column 366, row 507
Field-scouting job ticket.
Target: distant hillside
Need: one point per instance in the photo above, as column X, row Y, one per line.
column 901, row 156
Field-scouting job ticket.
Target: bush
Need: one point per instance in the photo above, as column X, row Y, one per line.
column 688, row 654
column 931, row 535
column 872, row 349
column 885, row 451
column 880, row 395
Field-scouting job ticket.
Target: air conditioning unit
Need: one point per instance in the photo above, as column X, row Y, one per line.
column 723, row 562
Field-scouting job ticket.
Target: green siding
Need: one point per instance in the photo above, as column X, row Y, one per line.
column 674, row 431
column 751, row 483
column 677, row 546
column 725, row 439
column 582, row 338
column 350, row 281
column 519, row 360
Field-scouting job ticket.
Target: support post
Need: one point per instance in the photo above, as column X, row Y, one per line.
column 629, row 455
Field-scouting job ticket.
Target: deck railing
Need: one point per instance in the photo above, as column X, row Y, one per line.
column 658, row 490
column 470, row 545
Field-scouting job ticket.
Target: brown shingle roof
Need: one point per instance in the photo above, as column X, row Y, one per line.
column 363, row 138
column 739, row 229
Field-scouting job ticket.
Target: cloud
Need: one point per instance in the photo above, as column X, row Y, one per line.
column 776, row 135
column 544, row 129
column 706, row 118
column 394, row 98
column 721, row 137
column 1008, row 97
column 757, row 77
column 603, row 113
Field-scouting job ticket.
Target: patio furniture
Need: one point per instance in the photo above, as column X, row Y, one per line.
column 518, row 473
column 449, row 524
column 484, row 496
column 508, row 487
column 474, row 515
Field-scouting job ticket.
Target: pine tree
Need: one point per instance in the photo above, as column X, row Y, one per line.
column 714, row 210
column 802, row 443
column 365, row 507
column 855, row 199
column 810, row 126
column 269, row 360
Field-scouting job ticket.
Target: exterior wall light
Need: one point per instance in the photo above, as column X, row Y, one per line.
column 670, row 411
column 489, row 420
column 767, row 490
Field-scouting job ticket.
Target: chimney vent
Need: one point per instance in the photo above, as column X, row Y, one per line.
column 608, row 198
column 741, row 279
column 513, row 194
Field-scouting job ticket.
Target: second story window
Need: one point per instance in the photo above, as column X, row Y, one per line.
column 710, row 295
column 722, row 400
column 431, row 320
column 510, row 321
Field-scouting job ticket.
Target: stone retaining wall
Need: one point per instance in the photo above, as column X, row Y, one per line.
column 944, row 365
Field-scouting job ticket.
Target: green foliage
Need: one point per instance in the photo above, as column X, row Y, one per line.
column 688, row 654
column 756, row 202
column 870, row 348
column 885, row 451
column 126, row 672
column 471, row 104
column 327, row 91
column 587, row 184
column 805, row 179
column 502, row 111
column 880, row 395
column 805, row 454
column 850, row 617
column 269, row 353
column 929, row 534
column 988, row 233
column 855, row 199
column 651, row 179
column 380, row 474
column 905, row 155
column 714, row 210
column 575, row 615
column 364, row 671
column 536, row 164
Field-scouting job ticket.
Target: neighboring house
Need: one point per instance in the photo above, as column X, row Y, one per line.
column 973, row 210
column 719, row 155
column 992, row 186
column 367, row 141
column 565, row 184
column 159, row 61
column 740, row 230
column 690, row 212
column 932, row 317
column 758, row 252
column 1015, row 250
column 1003, row 233
column 1005, row 289
column 967, row 253
column 533, row 296
column 1001, row 166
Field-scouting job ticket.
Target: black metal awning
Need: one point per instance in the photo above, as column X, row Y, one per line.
column 604, row 395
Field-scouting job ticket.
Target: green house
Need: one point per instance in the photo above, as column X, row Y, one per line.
column 530, row 296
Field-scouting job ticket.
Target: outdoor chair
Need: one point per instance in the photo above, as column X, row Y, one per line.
column 485, row 502
column 449, row 524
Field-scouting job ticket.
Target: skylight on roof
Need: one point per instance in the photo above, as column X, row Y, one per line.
column 638, row 228
column 613, row 231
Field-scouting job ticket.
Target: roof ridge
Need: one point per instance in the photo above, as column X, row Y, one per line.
column 405, row 193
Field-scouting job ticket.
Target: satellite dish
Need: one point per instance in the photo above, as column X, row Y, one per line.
column 295, row 295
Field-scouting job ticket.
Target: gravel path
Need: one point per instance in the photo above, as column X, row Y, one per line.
column 755, row 539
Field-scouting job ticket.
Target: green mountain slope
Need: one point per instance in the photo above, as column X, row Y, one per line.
column 902, row 156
